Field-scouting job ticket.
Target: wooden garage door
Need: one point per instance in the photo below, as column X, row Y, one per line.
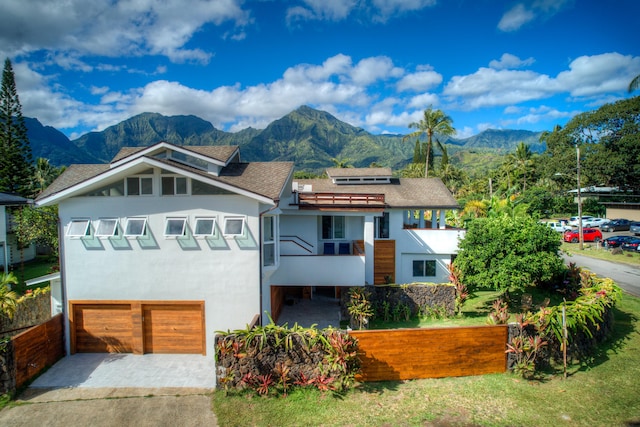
column 102, row 328
column 173, row 328
column 137, row 327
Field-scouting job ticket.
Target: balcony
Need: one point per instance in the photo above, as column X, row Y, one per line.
column 436, row 241
column 351, row 201
column 320, row 270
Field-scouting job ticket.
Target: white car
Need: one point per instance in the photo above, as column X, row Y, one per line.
column 557, row 226
column 573, row 221
column 594, row 222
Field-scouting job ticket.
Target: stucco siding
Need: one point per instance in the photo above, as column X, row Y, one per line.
column 224, row 272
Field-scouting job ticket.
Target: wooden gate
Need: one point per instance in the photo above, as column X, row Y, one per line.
column 403, row 354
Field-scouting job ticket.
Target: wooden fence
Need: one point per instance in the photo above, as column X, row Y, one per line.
column 402, row 354
column 37, row 348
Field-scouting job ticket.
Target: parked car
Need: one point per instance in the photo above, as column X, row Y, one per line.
column 588, row 235
column 635, row 228
column 616, row 225
column 574, row 220
column 631, row 245
column 615, row 241
column 557, row 226
column 595, row 222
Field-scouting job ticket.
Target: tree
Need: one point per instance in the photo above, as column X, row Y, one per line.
column 15, row 151
column 522, row 162
column 43, row 175
column 432, row 122
column 508, row 253
column 609, row 142
column 38, row 225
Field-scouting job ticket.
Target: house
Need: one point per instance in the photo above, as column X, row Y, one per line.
column 168, row 244
column 10, row 252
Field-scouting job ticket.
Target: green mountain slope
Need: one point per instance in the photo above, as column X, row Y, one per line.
column 308, row 137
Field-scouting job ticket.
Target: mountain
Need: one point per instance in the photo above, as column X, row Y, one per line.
column 310, row 138
column 50, row 143
column 148, row 128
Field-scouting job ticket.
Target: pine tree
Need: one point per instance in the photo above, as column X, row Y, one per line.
column 15, row 151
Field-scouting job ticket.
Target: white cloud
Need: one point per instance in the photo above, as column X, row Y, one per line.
column 339, row 10
column 523, row 13
column 419, row 81
column 369, row 70
column 509, row 61
column 113, row 27
column 423, row 101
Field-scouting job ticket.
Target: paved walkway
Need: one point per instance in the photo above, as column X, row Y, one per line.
column 118, row 390
column 130, row 370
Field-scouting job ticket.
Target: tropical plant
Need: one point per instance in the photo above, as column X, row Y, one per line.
column 8, row 298
column 521, row 161
column 359, row 305
column 432, row 122
column 499, row 314
column 525, row 348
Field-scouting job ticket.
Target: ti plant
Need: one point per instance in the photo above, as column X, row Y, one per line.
column 359, row 306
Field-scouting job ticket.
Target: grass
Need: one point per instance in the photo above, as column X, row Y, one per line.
column 602, row 391
column 40, row 266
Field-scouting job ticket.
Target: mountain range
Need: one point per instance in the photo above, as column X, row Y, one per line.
column 311, row 138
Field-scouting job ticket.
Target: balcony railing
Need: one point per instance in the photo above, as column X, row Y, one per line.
column 320, row 270
column 336, row 200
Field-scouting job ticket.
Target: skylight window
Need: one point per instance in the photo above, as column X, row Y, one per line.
column 204, row 227
column 79, row 228
column 135, row 227
column 107, row 227
column 175, row 227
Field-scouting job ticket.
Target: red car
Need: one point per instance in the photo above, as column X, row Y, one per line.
column 588, row 234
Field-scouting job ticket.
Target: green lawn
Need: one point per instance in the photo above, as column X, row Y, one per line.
column 41, row 266
column 600, row 392
column 592, row 250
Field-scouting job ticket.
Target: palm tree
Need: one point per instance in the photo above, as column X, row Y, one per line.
column 8, row 303
column 635, row 83
column 341, row 162
column 432, row 122
column 521, row 161
column 44, row 174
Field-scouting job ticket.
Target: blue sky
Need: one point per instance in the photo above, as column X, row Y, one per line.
column 377, row 64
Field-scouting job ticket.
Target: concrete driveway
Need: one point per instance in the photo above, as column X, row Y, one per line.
column 118, row 390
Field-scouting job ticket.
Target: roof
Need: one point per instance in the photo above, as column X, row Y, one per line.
column 217, row 152
column 358, row 172
column 263, row 179
column 8, row 199
column 411, row 193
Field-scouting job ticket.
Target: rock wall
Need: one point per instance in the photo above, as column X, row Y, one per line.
column 32, row 310
column 418, row 297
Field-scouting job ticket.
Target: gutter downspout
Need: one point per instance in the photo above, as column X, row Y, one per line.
column 260, row 217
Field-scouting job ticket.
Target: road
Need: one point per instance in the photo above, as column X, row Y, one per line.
column 626, row 276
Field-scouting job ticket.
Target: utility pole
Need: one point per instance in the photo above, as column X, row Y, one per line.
column 580, row 233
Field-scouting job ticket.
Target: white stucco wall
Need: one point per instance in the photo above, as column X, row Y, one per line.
column 225, row 273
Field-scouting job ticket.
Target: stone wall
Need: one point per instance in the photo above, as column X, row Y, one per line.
column 418, row 297
column 7, row 368
column 31, row 311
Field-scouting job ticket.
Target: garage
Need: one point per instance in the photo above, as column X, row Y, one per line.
column 137, row 327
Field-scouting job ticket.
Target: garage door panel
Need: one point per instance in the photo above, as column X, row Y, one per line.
column 103, row 328
column 173, row 328
column 138, row 327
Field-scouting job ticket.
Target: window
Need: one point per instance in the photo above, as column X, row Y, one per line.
column 269, row 241
column 79, row 228
column 107, row 227
column 204, row 227
column 174, row 185
column 139, row 186
column 382, row 226
column 333, row 227
column 135, row 227
column 424, row 268
column 175, row 227
column 115, row 189
column 233, row 227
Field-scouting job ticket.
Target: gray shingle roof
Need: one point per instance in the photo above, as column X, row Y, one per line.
column 410, row 193
column 266, row 179
column 358, row 172
column 8, row 199
column 217, row 152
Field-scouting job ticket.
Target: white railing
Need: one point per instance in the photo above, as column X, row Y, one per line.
column 437, row 241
